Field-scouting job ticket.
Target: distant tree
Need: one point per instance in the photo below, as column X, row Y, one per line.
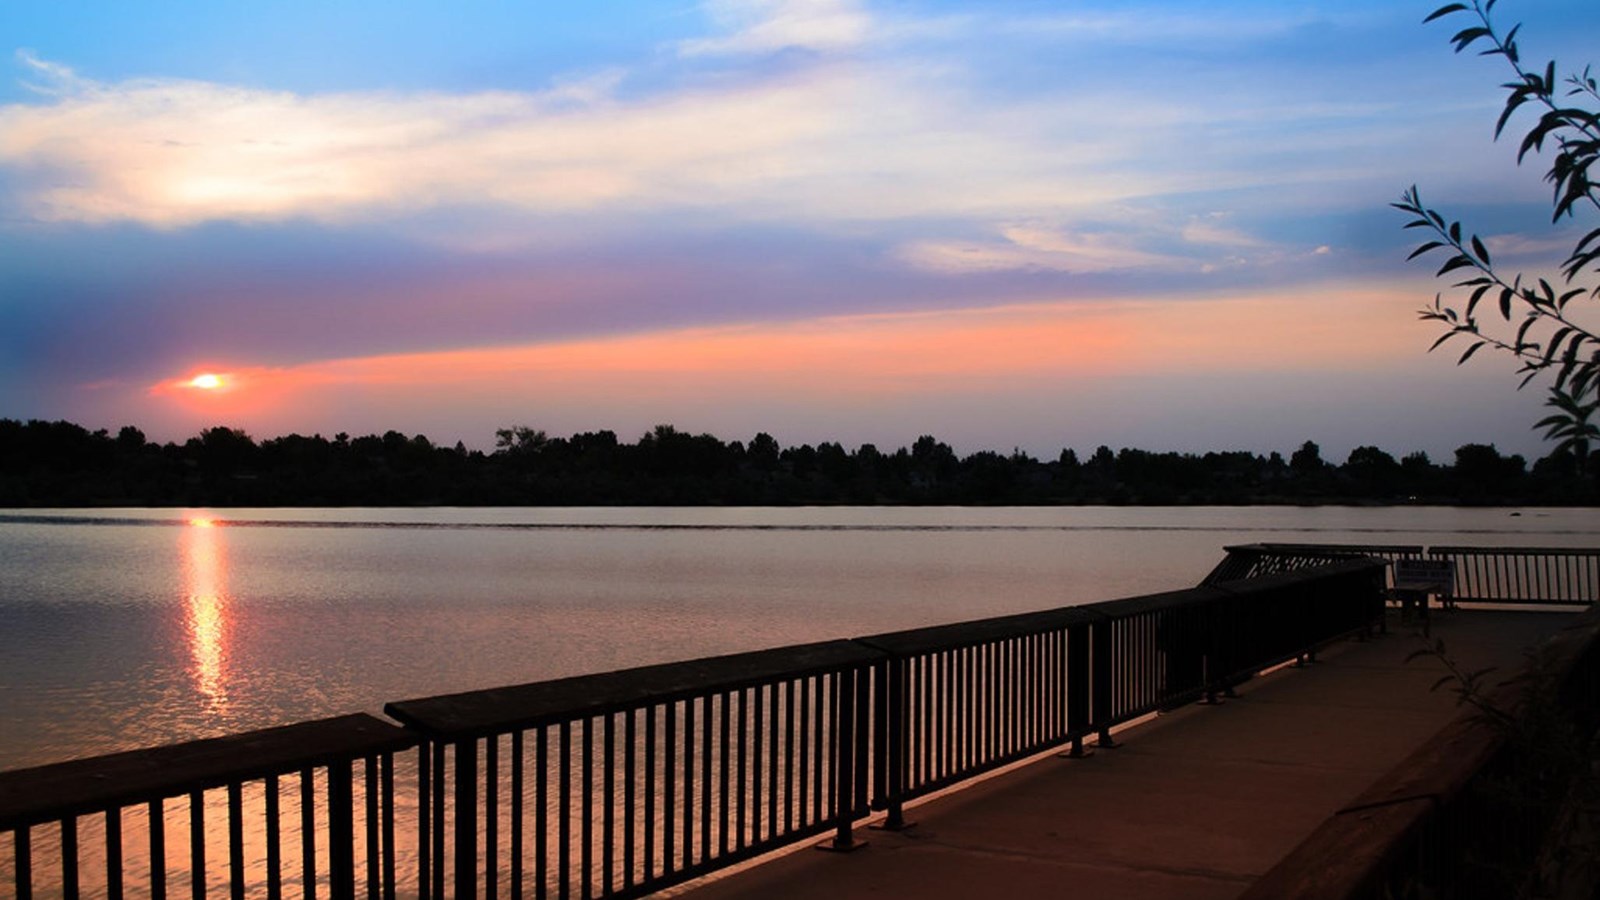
column 1538, row 324
column 1307, row 460
column 1419, row 471
column 1104, row 460
column 1481, row 473
column 223, row 450
column 1374, row 472
column 933, row 459
column 520, row 439
column 763, row 452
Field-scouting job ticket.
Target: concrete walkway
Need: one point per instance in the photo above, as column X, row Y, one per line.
column 1195, row 804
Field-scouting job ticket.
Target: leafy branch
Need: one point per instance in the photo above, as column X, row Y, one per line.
column 1539, row 325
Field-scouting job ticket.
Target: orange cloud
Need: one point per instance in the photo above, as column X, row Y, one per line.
column 867, row 357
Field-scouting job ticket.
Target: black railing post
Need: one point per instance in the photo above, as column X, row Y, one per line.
column 893, row 745
column 1101, row 706
column 1079, row 681
column 437, row 835
column 341, row 832
column 466, row 778
column 861, row 714
column 851, row 682
column 23, row 844
column 882, row 787
column 425, row 823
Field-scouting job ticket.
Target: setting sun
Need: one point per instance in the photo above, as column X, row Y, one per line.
column 206, row 381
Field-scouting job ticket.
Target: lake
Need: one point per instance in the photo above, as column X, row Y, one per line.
column 126, row 628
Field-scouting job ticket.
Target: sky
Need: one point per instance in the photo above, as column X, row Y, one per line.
column 1011, row 224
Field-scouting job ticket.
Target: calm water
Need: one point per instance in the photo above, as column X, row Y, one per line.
column 127, row 628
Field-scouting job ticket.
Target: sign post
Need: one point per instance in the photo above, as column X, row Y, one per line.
column 1415, row 579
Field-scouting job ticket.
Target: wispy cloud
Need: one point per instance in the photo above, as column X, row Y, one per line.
column 1039, row 248
column 1212, row 229
column 767, row 26
column 832, row 141
column 887, row 134
column 56, row 78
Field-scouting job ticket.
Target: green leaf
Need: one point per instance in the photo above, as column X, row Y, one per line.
column 1431, row 245
column 1455, row 262
column 1464, row 38
column 1522, row 332
column 1470, row 350
column 1477, row 294
column 1480, row 250
column 1444, row 11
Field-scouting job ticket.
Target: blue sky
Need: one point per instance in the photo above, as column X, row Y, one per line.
column 1008, row 224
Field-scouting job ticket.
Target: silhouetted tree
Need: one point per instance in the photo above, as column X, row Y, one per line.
column 1373, row 473
column 63, row 464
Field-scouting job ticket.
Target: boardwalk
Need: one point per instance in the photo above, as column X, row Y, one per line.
column 1195, row 804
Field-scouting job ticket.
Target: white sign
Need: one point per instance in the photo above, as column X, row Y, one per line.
column 1436, row 576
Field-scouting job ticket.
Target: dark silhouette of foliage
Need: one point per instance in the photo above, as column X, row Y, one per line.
column 1539, row 324
column 63, row 464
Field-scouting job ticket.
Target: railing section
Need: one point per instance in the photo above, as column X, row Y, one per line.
column 624, row 783
column 1511, row 575
column 628, row 782
column 1554, row 575
column 225, row 814
column 956, row 701
column 1254, row 560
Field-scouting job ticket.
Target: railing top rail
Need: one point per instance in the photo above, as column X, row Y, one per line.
column 1327, row 549
column 514, row 707
column 1129, row 606
column 44, row 793
column 965, row 634
column 1515, row 551
column 1279, row 580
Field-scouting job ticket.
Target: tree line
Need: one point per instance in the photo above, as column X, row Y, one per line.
column 64, row 464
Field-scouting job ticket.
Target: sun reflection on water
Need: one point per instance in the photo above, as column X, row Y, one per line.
column 205, row 569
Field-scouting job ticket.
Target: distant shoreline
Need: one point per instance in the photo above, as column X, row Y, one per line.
column 63, row 465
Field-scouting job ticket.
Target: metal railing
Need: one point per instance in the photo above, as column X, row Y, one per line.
column 1254, row 560
column 1555, row 575
column 296, row 776
column 1512, row 575
column 649, row 777
column 623, row 783
column 956, row 701
column 646, row 777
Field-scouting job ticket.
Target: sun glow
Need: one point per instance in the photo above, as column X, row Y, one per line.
column 206, row 381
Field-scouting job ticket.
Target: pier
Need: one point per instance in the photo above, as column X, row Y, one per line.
column 1200, row 802
column 1212, row 737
